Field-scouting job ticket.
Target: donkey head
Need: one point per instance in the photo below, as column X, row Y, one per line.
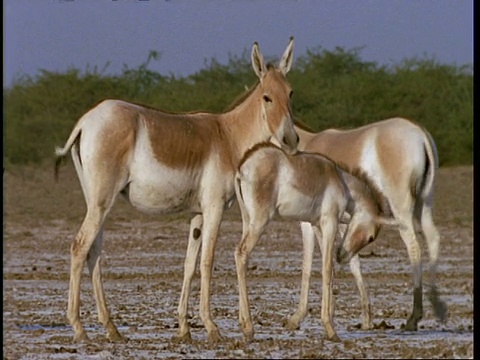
column 367, row 211
column 362, row 229
column 276, row 97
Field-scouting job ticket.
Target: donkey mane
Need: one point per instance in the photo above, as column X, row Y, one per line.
column 265, row 144
column 378, row 196
column 237, row 101
column 240, row 98
column 153, row 108
column 303, row 126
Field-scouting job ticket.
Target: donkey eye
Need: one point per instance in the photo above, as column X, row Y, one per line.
column 291, row 94
column 370, row 239
column 267, row 98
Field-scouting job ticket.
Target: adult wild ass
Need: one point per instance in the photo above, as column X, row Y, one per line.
column 401, row 159
column 307, row 187
column 163, row 163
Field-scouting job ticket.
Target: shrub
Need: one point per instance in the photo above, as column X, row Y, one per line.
column 331, row 89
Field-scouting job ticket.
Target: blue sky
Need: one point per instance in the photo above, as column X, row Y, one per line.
column 58, row 34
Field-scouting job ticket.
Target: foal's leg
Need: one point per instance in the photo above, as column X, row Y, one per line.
column 328, row 226
column 432, row 238
column 366, row 308
column 308, row 237
column 211, row 225
column 94, row 266
column 249, row 240
column 194, row 242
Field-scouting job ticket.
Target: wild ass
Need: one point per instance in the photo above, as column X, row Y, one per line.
column 163, row 163
column 401, row 159
column 307, row 187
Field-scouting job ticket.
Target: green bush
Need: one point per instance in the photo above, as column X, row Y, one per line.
column 331, row 89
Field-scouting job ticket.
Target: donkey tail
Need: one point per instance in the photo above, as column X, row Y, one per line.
column 238, row 190
column 431, row 166
column 240, row 200
column 61, row 152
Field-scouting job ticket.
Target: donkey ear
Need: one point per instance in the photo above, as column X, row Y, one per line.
column 385, row 207
column 287, row 58
column 257, row 61
column 388, row 221
column 274, row 141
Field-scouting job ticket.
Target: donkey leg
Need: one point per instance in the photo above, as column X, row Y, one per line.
column 329, row 229
column 407, row 232
column 79, row 249
column 308, row 237
column 211, row 224
column 249, row 240
column 94, row 267
column 194, row 242
column 366, row 307
column 432, row 238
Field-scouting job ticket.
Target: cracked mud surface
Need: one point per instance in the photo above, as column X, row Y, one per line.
column 143, row 270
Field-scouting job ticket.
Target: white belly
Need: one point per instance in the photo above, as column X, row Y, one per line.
column 161, row 190
column 294, row 205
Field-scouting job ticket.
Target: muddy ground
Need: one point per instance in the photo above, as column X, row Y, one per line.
column 143, row 269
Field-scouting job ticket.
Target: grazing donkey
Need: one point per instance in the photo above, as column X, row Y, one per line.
column 163, row 163
column 401, row 159
column 307, row 187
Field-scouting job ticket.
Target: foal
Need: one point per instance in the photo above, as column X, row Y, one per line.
column 307, row 187
column 163, row 163
column 401, row 158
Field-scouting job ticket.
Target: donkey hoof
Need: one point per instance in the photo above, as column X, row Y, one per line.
column 248, row 338
column 367, row 326
column 112, row 333
column 411, row 325
column 182, row 338
column 439, row 306
column 214, row 338
column 291, row 324
column 81, row 337
column 334, row 338
column 440, row 309
column 116, row 337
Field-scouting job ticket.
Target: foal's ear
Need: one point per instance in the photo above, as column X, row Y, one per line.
column 388, row 221
column 287, row 58
column 385, row 207
column 257, row 61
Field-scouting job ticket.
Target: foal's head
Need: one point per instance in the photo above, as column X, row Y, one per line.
column 369, row 210
column 276, row 97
